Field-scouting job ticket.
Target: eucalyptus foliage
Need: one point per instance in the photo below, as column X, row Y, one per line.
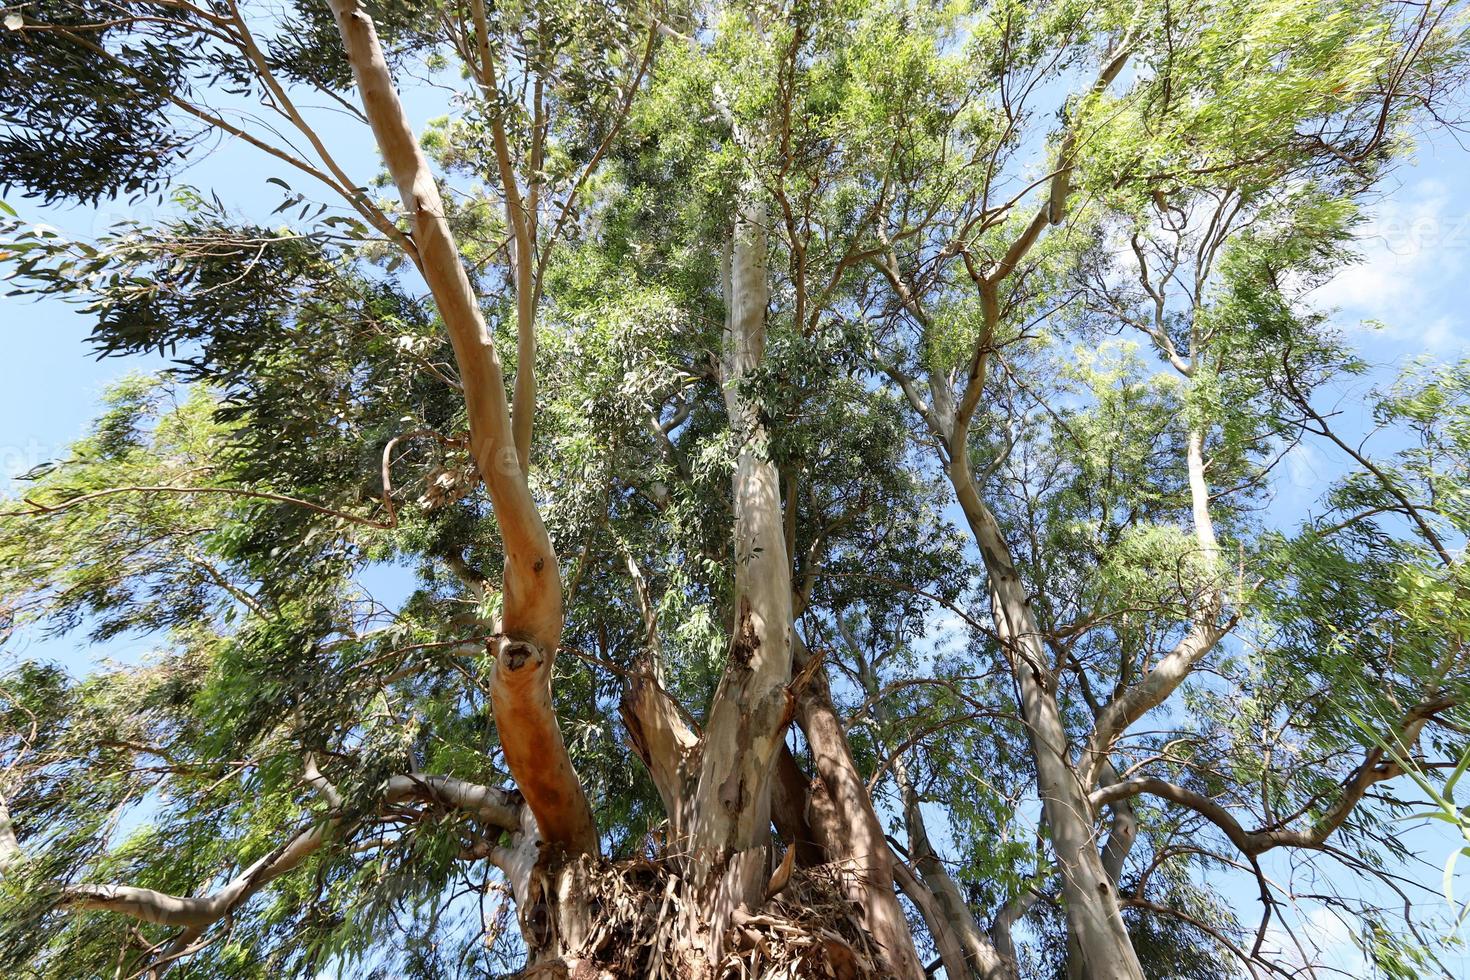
column 1100, row 224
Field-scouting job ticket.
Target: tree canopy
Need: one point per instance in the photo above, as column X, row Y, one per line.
column 829, row 452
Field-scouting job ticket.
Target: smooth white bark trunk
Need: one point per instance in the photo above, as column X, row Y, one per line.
column 1094, row 917
column 730, row 815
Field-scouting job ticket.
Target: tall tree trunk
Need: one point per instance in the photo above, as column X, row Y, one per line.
column 730, row 815
column 1094, row 917
column 531, row 620
column 972, row 953
column 843, row 819
column 1122, row 833
column 964, row 948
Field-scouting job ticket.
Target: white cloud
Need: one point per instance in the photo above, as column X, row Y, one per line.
column 1324, row 944
column 1413, row 254
column 1445, row 333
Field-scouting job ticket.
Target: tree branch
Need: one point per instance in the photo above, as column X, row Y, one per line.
column 532, row 618
column 496, row 807
column 1372, row 770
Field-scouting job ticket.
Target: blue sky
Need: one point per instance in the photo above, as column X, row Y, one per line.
column 1405, row 299
column 51, row 384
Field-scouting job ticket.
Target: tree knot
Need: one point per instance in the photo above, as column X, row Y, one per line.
column 746, row 640
column 516, row 654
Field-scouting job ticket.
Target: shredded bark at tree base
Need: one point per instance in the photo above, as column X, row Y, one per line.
column 810, row 930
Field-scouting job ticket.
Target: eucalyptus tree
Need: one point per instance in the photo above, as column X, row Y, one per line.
column 1218, row 183
column 782, row 293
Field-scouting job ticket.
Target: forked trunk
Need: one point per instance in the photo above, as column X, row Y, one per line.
column 711, row 903
column 719, row 898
